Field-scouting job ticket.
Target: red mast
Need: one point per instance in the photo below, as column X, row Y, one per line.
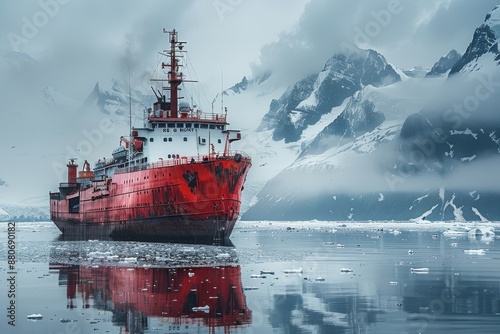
column 174, row 76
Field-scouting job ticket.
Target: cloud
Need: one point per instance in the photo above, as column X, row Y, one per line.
column 407, row 33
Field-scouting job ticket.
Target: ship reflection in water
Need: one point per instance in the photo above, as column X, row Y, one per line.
column 141, row 299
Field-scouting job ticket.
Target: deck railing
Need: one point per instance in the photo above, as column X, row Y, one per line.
column 190, row 116
column 185, row 160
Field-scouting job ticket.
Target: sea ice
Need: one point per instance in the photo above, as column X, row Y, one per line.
column 34, row 316
column 419, row 270
column 474, row 251
column 266, row 272
column 257, row 276
column 293, row 271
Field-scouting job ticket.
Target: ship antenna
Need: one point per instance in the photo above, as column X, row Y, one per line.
column 222, row 91
column 129, row 118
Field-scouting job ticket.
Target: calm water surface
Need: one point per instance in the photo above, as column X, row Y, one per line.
column 278, row 278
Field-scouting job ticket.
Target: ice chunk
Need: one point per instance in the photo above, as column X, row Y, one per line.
column 266, row 272
column 393, row 283
column 64, row 320
column 293, row 271
column 257, row 276
column 474, row 251
column 455, row 233
column 419, row 270
column 346, row 270
column 320, row 279
column 34, row 316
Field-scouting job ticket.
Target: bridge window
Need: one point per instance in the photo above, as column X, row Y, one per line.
column 151, row 140
column 204, row 126
column 212, row 126
column 162, row 125
column 171, row 125
column 196, row 125
column 219, row 141
column 188, row 125
column 180, row 125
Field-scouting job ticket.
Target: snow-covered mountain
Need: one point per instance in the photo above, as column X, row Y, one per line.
column 115, row 98
column 307, row 100
column 483, row 50
column 420, row 148
column 444, row 64
column 55, row 127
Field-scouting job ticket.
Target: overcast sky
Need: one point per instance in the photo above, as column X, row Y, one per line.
column 81, row 41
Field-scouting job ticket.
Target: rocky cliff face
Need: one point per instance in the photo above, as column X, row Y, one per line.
column 444, row 64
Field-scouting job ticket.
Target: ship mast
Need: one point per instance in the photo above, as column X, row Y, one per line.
column 174, row 76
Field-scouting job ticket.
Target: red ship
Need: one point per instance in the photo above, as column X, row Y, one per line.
column 174, row 179
column 140, row 298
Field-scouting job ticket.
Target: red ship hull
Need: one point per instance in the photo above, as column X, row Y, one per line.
column 179, row 200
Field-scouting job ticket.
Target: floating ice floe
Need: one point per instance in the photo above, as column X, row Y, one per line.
column 340, row 246
column 205, row 309
column 346, row 270
column 474, row 251
column 410, row 252
column 456, row 233
column 266, row 272
column 64, row 320
column 34, row 316
column 481, row 231
column 393, row 283
column 328, row 243
column 320, row 279
column 419, row 270
column 293, row 271
column 249, row 288
column 257, row 276
column 453, row 244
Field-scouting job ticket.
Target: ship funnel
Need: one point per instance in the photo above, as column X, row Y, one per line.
column 72, row 171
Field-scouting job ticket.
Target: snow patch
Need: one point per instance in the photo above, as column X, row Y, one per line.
column 465, row 132
column 476, row 211
column 464, row 159
column 422, row 217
